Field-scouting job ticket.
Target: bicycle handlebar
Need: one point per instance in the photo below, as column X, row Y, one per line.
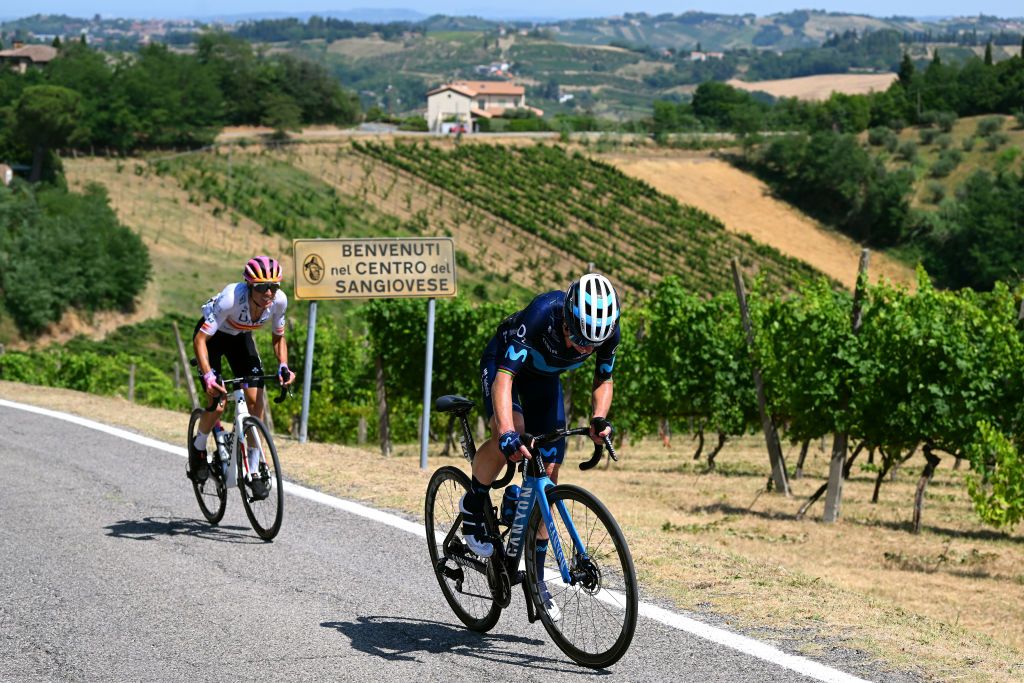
column 578, row 431
column 238, row 381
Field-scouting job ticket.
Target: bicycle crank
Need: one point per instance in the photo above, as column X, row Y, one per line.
column 499, row 582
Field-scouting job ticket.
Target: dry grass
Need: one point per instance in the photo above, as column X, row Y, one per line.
column 744, row 205
column 363, row 48
column 948, row 604
column 819, row 87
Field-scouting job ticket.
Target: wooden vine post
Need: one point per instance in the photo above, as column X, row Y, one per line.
column 189, row 384
column 834, row 492
column 771, row 435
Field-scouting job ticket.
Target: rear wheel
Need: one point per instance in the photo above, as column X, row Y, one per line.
column 458, row 571
column 598, row 609
column 264, row 513
column 211, row 494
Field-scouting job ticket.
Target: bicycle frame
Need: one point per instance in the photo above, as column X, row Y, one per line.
column 534, row 492
column 235, row 459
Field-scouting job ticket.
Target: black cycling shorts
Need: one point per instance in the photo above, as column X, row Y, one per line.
column 239, row 349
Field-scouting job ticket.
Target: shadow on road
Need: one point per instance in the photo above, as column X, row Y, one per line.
column 399, row 639
column 151, row 528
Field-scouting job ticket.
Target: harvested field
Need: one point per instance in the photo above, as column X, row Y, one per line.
column 819, row 87
column 745, row 205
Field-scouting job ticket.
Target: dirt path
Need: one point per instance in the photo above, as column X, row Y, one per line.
column 744, row 204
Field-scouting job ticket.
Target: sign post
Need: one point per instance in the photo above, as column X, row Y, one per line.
column 427, row 373
column 307, row 372
column 376, row 268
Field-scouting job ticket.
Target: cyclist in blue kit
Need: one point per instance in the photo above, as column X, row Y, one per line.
column 522, row 391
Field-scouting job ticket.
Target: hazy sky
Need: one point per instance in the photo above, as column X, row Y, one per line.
column 533, row 8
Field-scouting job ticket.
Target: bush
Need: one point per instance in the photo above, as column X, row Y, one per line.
column 942, row 167
column 989, row 125
column 60, row 249
column 908, row 151
column 414, row 123
column 935, row 192
column 880, row 136
column 945, row 120
column 1019, row 118
column 996, row 140
column 944, row 141
column 968, row 143
column 927, row 135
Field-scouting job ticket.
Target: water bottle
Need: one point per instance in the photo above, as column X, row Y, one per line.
column 508, row 504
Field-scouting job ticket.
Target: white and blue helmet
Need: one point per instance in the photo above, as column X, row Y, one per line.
column 591, row 310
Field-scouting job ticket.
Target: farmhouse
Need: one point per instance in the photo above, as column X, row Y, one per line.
column 23, row 57
column 458, row 104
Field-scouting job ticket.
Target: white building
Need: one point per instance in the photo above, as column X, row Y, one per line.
column 460, row 102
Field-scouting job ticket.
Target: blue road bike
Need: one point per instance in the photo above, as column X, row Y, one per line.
column 588, row 571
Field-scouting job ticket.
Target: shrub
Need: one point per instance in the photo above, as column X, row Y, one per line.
column 908, row 151
column 968, row 143
column 989, row 125
column 944, row 141
column 877, row 136
column 927, row 135
column 942, row 167
column 935, row 192
column 996, row 140
column 945, row 120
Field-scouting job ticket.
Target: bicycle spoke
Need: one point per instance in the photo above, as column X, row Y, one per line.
column 470, row 598
column 596, row 613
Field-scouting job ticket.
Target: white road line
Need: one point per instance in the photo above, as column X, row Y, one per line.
column 749, row 646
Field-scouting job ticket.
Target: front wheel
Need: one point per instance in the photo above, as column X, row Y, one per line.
column 458, row 571
column 264, row 499
column 211, row 494
column 597, row 610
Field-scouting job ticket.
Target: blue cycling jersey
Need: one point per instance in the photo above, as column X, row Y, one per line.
column 532, row 342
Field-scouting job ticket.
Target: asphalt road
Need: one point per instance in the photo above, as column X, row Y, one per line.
column 109, row 572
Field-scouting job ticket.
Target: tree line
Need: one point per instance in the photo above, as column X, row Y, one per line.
column 159, row 98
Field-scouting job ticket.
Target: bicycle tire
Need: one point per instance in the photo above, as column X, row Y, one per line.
column 211, row 494
column 264, row 515
column 473, row 606
column 598, row 614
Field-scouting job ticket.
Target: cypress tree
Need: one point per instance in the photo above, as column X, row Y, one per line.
column 906, row 74
column 988, row 53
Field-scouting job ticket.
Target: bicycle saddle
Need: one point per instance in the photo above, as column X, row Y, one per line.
column 453, row 404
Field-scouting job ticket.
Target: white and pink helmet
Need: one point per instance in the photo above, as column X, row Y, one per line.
column 262, row 269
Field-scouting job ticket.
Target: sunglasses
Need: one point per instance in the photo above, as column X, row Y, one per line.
column 577, row 339
column 265, row 287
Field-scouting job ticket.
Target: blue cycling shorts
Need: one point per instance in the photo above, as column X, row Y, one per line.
column 538, row 398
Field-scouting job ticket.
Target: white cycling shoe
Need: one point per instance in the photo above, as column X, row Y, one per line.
column 469, row 523
column 548, row 603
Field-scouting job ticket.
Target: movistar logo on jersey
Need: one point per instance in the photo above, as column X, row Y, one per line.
column 512, row 354
column 548, row 452
column 607, row 367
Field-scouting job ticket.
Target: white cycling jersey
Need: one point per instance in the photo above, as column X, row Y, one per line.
column 229, row 312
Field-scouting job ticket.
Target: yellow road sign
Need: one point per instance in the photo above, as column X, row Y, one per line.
column 375, row 268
